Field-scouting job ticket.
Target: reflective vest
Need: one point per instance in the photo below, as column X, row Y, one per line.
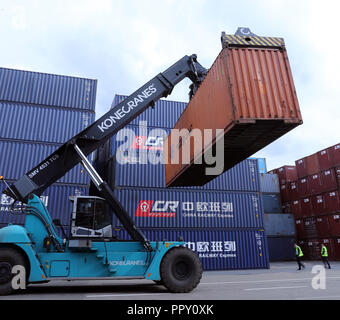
column 324, row 252
column 299, row 251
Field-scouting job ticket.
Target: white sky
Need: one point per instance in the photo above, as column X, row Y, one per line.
column 124, row 44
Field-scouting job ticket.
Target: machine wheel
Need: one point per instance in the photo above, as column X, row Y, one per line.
column 181, row 270
column 8, row 259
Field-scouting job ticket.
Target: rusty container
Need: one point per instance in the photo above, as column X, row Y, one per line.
column 325, row 159
column 247, row 98
column 300, row 229
column 286, row 174
column 303, row 187
column 319, row 204
column 293, row 191
column 301, row 168
column 334, row 224
column 335, row 154
column 315, row 184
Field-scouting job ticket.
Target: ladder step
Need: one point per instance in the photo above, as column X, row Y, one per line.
column 100, row 256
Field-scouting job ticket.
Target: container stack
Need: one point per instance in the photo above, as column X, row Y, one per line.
column 278, row 223
column 39, row 112
column 311, row 191
column 222, row 220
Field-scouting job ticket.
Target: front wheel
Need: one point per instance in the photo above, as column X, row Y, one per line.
column 181, row 270
column 8, row 259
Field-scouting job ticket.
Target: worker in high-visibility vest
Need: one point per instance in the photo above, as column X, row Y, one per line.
column 324, row 256
column 299, row 255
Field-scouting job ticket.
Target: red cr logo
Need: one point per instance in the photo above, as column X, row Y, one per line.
column 147, row 143
column 158, row 208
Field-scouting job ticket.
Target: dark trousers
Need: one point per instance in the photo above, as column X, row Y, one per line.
column 299, row 262
column 325, row 262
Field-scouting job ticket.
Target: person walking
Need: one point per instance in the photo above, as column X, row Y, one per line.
column 299, row 255
column 324, row 256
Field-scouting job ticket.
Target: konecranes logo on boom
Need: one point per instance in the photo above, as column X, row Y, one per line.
column 126, row 109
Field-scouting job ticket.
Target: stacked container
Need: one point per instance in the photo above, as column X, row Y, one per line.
column 222, row 220
column 39, row 112
column 278, row 223
column 313, row 193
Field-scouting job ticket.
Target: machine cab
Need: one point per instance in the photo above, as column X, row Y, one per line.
column 90, row 217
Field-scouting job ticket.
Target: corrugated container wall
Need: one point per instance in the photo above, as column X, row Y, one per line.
column 269, row 183
column 248, row 92
column 17, row 158
column 41, row 123
column 217, row 249
column 279, row 224
column 47, row 89
column 281, row 248
column 166, row 208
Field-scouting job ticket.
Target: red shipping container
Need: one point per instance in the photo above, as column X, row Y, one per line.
column 319, row 205
column 314, row 184
column 329, row 180
column 313, row 166
column 306, row 207
column 287, row 207
column 296, row 208
column 336, row 248
column 300, row 229
column 322, row 226
column 337, row 175
column 286, row 174
column 335, row 153
column 309, row 225
column 334, row 224
column 293, row 193
column 303, row 188
column 301, row 168
column 284, row 192
column 313, row 249
column 332, row 201
column 325, row 159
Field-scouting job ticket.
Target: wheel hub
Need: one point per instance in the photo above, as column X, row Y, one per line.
column 5, row 272
column 181, row 270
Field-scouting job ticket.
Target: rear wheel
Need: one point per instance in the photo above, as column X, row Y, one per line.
column 8, row 259
column 181, row 270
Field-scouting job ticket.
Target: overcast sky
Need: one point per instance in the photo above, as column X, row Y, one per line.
column 124, row 44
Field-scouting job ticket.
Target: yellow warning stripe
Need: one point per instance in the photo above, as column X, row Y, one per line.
column 252, row 41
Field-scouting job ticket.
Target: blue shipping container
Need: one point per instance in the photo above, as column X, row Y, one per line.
column 281, row 248
column 166, row 208
column 271, row 203
column 164, row 115
column 269, row 183
column 262, row 164
column 276, row 224
column 39, row 123
column 47, row 89
column 17, row 158
column 141, row 164
column 55, row 198
column 217, row 249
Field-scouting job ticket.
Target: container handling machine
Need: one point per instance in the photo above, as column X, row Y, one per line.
column 90, row 251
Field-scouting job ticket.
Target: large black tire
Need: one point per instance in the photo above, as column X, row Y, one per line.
column 181, row 270
column 8, row 259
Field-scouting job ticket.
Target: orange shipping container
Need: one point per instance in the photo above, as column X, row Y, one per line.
column 249, row 95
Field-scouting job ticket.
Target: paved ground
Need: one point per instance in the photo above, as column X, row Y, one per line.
column 281, row 282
